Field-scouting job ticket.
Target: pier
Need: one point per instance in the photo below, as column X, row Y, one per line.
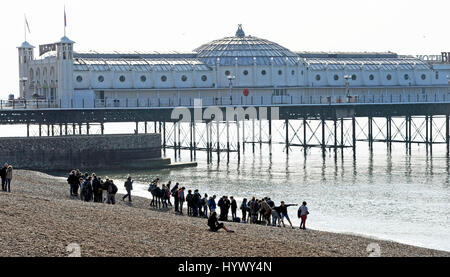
column 315, row 122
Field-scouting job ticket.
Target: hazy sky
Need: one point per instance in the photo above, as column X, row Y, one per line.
column 406, row 27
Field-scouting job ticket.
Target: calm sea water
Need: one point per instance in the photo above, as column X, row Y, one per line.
column 400, row 197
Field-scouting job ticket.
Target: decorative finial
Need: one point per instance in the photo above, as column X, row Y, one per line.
column 240, row 33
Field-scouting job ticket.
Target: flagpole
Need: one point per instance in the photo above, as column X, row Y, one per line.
column 65, row 20
column 25, row 27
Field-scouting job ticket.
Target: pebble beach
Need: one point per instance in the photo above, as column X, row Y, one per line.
column 39, row 219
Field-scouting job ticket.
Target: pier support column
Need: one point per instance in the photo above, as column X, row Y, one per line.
column 342, row 138
column 410, row 134
column 431, row 134
column 238, row 142
column 28, row 129
column 323, row 144
column 74, row 129
column 243, row 135
column 207, row 143
column 218, row 140
column 80, row 126
column 53, row 130
column 335, row 136
column 447, row 130
column 60, row 129
column 194, row 139
column 102, row 128
column 88, row 126
column 389, row 133
column 65, row 129
column 179, row 137
column 354, row 135
column 253, row 135
column 164, row 136
column 369, row 126
column 270, row 134
column 145, row 127
column 40, row 129
column 48, row 130
column 286, row 124
column 304, row 136
column 175, row 139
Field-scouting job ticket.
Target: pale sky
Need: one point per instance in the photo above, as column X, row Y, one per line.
column 405, row 27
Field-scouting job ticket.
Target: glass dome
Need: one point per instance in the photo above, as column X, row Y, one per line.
column 245, row 50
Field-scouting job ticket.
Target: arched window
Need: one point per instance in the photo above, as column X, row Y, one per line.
column 122, row 78
column 389, row 77
column 318, row 77
column 204, row 78
column 354, row 77
column 184, row 78
column 336, row 77
column 280, row 72
column 245, row 72
column 143, row 78
column 79, row 79
column 424, row 77
column 371, row 77
column 263, row 72
column 406, row 77
column 227, row 73
column 293, row 72
column 164, row 78
column 101, row 79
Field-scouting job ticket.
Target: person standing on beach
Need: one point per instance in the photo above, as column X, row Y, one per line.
column 128, row 187
column 233, row 208
column 196, row 206
column 88, row 190
column 3, row 176
column 303, row 214
column 205, row 205
column 189, row 197
column 244, row 210
column 96, row 188
column 112, row 190
column 9, row 175
column 267, row 210
column 169, row 192
column 71, row 180
column 174, row 192
column 212, row 204
column 181, row 198
column 284, row 213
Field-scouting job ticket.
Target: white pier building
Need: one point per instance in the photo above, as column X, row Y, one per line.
column 243, row 69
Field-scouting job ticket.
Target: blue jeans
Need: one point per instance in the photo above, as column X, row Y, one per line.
column 8, row 184
column 4, row 184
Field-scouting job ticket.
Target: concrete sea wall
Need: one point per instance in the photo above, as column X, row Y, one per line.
column 84, row 152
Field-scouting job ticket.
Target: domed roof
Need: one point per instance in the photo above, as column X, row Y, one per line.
column 246, row 50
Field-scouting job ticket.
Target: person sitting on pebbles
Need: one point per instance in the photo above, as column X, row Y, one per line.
column 214, row 224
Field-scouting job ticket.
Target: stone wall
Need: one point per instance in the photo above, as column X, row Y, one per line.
column 84, row 152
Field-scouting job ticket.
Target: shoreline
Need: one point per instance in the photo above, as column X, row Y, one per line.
column 138, row 230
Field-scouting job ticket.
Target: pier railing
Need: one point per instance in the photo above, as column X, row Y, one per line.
column 170, row 102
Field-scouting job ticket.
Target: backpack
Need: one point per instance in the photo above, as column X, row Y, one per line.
column 114, row 188
column 189, row 198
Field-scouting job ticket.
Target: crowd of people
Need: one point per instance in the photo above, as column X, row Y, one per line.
column 6, row 174
column 254, row 211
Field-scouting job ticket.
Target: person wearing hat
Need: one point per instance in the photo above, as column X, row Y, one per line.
column 129, row 187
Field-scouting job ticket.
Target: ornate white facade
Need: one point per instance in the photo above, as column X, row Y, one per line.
column 261, row 66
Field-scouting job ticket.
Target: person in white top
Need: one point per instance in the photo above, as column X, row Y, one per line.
column 303, row 214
